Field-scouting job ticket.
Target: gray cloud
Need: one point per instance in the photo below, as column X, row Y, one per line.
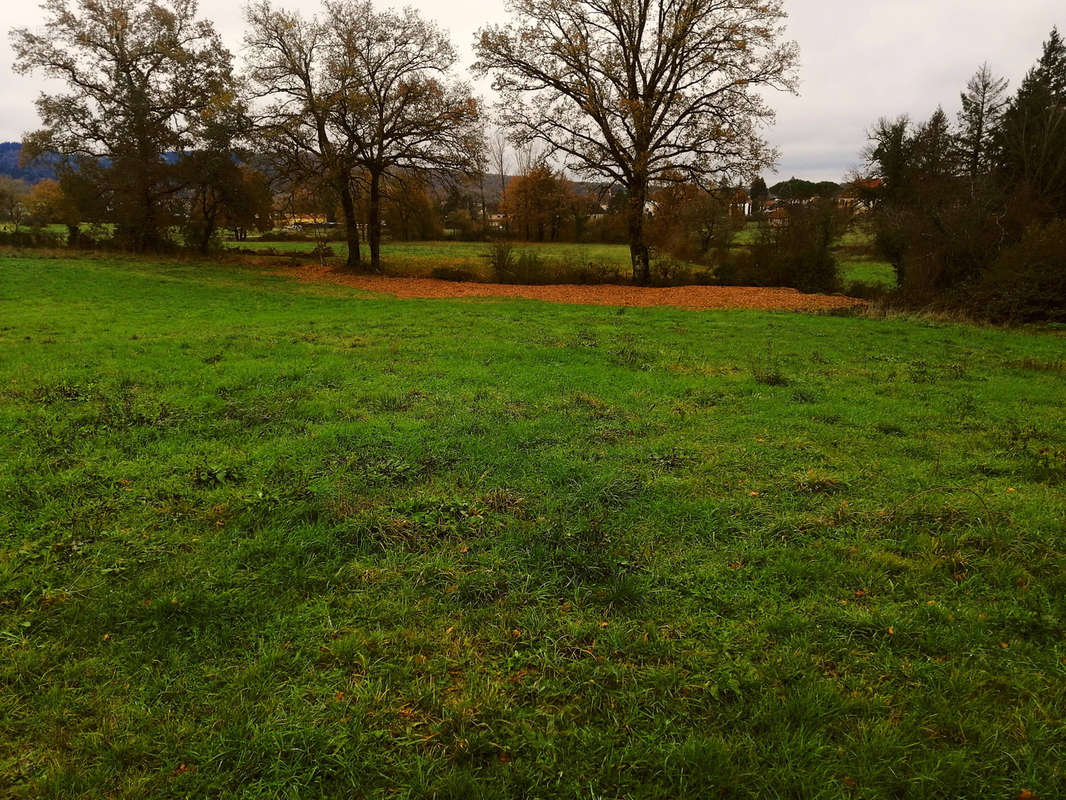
column 860, row 60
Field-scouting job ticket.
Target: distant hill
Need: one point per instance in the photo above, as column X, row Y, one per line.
column 798, row 189
column 33, row 173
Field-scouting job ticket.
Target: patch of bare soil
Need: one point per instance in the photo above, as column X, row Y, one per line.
column 700, row 298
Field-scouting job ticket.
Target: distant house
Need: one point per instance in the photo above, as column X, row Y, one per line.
column 861, row 196
column 778, row 218
column 740, row 203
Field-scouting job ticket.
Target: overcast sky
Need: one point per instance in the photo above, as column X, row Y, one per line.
column 860, row 60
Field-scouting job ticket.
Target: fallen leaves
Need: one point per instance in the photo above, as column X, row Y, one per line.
column 693, row 297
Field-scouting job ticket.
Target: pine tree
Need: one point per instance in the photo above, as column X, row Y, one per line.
column 982, row 108
column 934, row 148
column 1051, row 71
column 1031, row 141
column 759, row 195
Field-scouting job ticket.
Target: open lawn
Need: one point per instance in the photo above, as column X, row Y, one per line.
column 263, row 539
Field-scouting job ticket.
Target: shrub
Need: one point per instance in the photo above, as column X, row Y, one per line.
column 1027, row 282
column 33, row 238
column 867, row 291
column 322, row 251
column 512, row 265
column 798, row 253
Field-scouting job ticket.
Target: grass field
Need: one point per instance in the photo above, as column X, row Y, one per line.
column 262, row 539
column 421, row 258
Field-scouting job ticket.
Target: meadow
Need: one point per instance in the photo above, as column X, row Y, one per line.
column 268, row 539
column 858, row 262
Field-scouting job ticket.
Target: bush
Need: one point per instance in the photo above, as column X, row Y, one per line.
column 797, row 253
column 672, row 272
column 867, row 291
column 33, row 238
column 323, row 251
column 1027, row 283
column 512, row 265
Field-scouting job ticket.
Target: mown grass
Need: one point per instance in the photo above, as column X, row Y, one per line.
column 264, row 539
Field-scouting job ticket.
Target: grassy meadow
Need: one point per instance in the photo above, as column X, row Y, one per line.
column 854, row 253
column 265, row 539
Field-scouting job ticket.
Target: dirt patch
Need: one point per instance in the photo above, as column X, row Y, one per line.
column 700, row 298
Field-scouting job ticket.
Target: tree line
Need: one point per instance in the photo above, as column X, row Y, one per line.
column 158, row 127
column 973, row 211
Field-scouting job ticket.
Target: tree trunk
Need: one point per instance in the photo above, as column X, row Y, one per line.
column 638, row 249
column 351, row 225
column 374, row 221
column 207, row 235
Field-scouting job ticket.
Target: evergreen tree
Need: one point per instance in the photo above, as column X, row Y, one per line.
column 890, row 155
column 1032, row 137
column 1052, row 67
column 934, row 148
column 759, row 195
column 982, row 109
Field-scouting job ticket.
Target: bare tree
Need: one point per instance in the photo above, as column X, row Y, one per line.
column 397, row 103
column 139, row 74
column 303, row 126
column 638, row 91
column 982, row 107
column 496, row 148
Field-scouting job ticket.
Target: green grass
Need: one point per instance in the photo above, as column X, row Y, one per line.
column 264, row 539
column 443, row 251
column 421, row 258
column 869, row 271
